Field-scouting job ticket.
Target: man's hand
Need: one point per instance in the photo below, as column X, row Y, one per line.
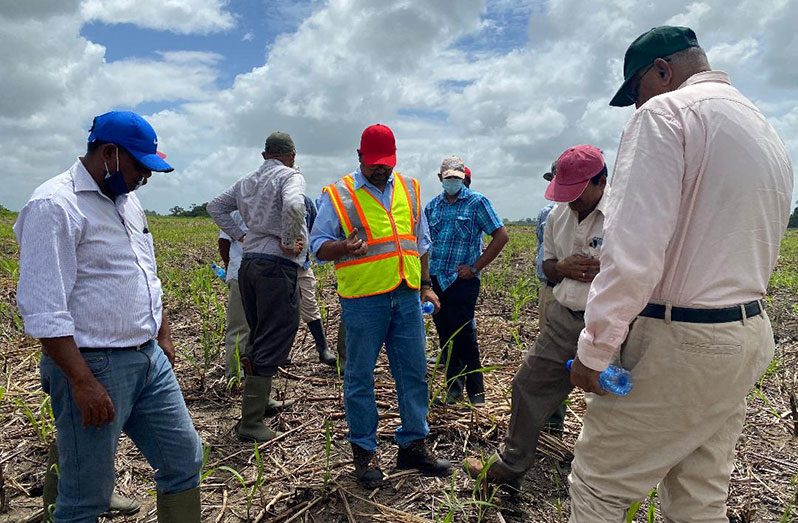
column 294, row 250
column 427, row 294
column 93, row 401
column 168, row 349
column 585, row 378
column 465, row 272
column 579, row 267
column 355, row 246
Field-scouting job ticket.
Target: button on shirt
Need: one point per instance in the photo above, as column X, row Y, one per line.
column 328, row 227
column 87, row 265
column 565, row 236
column 701, row 198
column 236, row 248
column 540, row 227
column 456, row 231
column 271, row 202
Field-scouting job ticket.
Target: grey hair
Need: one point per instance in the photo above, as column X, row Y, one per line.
column 690, row 59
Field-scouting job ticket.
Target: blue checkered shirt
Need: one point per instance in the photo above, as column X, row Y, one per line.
column 456, row 231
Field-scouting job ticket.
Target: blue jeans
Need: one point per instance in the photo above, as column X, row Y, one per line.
column 149, row 408
column 393, row 319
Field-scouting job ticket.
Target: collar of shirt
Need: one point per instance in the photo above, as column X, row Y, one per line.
column 361, row 181
column 707, row 76
column 464, row 193
column 81, row 179
column 602, row 204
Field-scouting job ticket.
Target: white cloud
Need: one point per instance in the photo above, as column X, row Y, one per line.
column 179, row 16
column 507, row 113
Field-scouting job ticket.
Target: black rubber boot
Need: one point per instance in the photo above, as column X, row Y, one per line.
column 182, row 507
column 326, row 356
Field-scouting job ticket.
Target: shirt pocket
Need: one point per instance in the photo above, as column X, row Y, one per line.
column 463, row 226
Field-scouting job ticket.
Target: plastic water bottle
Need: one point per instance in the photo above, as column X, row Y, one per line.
column 613, row 379
column 220, row 272
column 427, row 307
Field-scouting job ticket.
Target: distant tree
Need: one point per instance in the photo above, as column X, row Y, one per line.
column 194, row 212
column 793, row 223
column 148, row 212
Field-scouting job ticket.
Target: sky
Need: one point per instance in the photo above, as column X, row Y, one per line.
column 507, row 85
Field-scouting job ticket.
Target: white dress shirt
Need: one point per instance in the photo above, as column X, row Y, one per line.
column 564, row 236
column 236, row 249
column 87, row 265
column 701, row 198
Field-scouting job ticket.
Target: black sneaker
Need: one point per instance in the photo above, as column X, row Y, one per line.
column 477, row 399
column 418, row 456
column 367, row 467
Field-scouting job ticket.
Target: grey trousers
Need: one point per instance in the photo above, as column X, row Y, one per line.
column 270, row 295
column 237, row 333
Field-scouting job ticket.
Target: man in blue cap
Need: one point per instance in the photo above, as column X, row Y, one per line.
column 88, row 289
column 701, row 199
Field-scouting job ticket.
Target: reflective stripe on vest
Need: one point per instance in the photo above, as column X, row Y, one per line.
column 392, row 248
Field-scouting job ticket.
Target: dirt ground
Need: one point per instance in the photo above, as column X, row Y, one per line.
column 300, row 477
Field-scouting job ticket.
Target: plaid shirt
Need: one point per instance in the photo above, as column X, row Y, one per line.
column 456, row 231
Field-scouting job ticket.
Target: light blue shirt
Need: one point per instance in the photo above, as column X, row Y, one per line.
column 328, row 226
column 540, row 227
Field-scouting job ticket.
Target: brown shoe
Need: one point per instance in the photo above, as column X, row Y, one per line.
column 367, row 467
column 418, row 456
column 493, row 470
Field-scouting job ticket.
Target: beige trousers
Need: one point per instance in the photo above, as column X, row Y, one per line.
column 679, row 425
column 237, row 332
column 308, row 308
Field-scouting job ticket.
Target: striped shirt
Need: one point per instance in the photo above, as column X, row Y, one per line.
column 87, row 265
column 456, row 230
column 271, row 201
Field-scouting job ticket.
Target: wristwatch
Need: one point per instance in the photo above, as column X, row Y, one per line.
column 426, row 283
column 473, row 269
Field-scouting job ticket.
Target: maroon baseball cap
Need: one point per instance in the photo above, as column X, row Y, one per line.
column 378, row 146
column 468, row 173
column 575, row 167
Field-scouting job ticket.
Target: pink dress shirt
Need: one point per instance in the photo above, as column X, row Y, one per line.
column 700, row 200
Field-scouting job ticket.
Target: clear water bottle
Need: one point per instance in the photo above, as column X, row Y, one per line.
column 220, row 272
column 427, row 307
column 613, row 379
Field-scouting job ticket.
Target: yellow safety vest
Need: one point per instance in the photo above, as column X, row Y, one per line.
column 392, row 255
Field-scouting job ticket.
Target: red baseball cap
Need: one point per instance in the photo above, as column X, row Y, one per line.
column 378, row 146
column 468, row 173
column 575, row 167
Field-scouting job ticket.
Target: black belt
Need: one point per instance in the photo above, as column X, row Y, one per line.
column 145, row 345
column 270, row 257
column 687, row 315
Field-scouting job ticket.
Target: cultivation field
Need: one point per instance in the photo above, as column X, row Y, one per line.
column 306, row 474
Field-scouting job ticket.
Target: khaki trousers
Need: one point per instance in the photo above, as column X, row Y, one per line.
column 539, row 387
column 545, row 297
column 237, row 332
column 308, row 308
column 679, row 425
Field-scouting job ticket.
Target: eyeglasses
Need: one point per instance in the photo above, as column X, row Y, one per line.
column 634, row 91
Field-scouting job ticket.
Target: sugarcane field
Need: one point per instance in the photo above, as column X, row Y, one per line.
column 305, row 473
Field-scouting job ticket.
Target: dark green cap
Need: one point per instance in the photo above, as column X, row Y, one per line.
column 279, row 143
column 656, row 43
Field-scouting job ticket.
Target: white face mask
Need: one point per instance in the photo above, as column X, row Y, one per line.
column 452, row 186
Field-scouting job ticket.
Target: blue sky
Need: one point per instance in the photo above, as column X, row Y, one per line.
column 505, row 84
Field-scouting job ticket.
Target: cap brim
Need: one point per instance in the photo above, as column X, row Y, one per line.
column 154, row 162
column 380, row 159
column 623, row 97
column 548, row 176
column 560, row 193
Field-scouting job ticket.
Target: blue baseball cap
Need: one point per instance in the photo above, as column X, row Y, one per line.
column 132, row 132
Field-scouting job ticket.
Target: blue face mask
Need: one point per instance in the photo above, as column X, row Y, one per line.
column 115, row 182
column 452, row 186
